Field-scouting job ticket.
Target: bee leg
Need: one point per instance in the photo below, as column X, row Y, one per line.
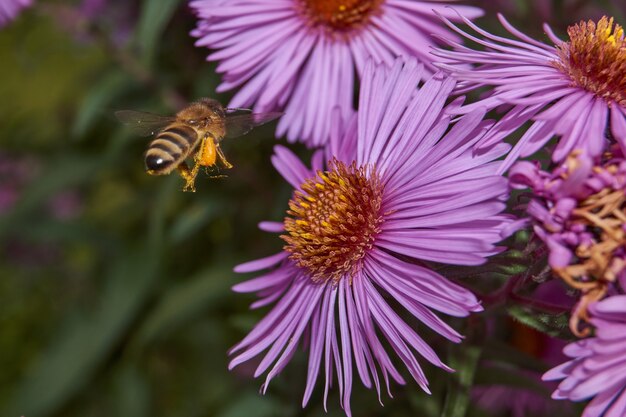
column 189, row 175
column 222, row 158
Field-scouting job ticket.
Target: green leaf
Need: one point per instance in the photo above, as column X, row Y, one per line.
column 156, row 236
column 425, row 405
column 550, row 324
column 252, row 404
column 193, row 219
column 86, row 341
column 131, row 393
column 464, row 360
column 155, row 15
column 91, row 109
column 59, row 232
column 184, row 302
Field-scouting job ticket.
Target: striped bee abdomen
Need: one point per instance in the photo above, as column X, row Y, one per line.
column 169, row 148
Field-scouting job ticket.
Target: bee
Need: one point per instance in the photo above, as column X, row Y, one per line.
column 196, row 130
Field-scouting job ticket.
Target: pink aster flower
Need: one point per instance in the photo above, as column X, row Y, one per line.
column 575, row 89
column 597, row 369
column 9, row 9
column 402, row 187
column 302, row 56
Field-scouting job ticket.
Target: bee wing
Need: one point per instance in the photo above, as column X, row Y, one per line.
column 238, row 122
column 143, row 123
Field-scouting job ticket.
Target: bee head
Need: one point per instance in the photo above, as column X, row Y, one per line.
column 202, row 112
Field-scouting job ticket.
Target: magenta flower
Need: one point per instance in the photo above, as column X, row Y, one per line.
column 402, row 187
column 578, row 211
column 301, row 56
column 598, row 366
column 9, row 9
column 575, row 89
column 574, row 208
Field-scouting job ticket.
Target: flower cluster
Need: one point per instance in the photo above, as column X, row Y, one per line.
column 415, row 177
column 408, row 192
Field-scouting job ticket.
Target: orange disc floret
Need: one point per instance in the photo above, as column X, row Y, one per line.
column 333, row 221
column 595, row 58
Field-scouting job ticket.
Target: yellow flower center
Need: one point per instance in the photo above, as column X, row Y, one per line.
column 333, row 221
column 595, row 59
column 339, row 15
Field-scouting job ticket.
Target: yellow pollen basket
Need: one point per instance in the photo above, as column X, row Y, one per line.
column 333, row 221
column 341, row 15
column 595, row 59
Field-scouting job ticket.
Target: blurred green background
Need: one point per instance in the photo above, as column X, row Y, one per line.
column 115, row 286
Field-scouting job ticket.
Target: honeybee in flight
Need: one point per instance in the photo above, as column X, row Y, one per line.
column 196, row 130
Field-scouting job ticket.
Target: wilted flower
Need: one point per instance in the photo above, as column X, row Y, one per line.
column 9, row 9
column 576, row 89
column 598, row 366
column 400, row 188
column 301, row 56
column 579, row 211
